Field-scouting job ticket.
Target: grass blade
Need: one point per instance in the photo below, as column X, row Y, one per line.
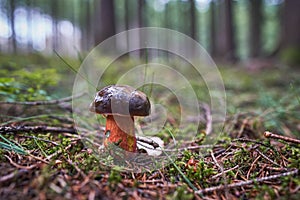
column 8, row 145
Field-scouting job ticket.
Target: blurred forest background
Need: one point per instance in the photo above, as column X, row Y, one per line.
column 229, row 30
column 256, row 44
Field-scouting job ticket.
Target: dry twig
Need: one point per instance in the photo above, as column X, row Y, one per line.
column 76, row 168
column 222, row 172
column 20, row 166
column 225, row 171
column 148, row 141
column 252, row 166
column 268, row 134
column 243, row 183
column 250, row 140
column 14, row 129
column 267, row 158
column 12, row 175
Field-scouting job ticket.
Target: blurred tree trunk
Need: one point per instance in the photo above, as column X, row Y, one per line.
column 167, row 24
column 86, row 25
column 193, row 21
column 256, row 19
column 141, row 11
column 291, row 23
column 141, row 23
column 166, row 16
column 225, row 33
column 74, row 18
column 104, row 20
column 29, row 21
column 290, row 41
column 184, row 17
column 54, row 14
column 213, row 45
column 127, row 21
column 127, row 13
column 12, row 26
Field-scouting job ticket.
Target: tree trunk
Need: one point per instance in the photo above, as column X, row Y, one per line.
column 141, row 23
column 141, row 6
column 226, row 44
column 255, row 27
column 85, row 25
column 127, row 21
column 166, row 16
column 54, row 14
column 104, row 20
column 193, row 20
column 29, row 21
column 290, row 41
column 127, row 14
column 12, row 26
column 291, row 24
column 213, row 45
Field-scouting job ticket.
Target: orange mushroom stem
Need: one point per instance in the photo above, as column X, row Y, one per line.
column 120, row 131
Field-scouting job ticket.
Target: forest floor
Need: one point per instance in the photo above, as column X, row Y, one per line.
column 42, row 156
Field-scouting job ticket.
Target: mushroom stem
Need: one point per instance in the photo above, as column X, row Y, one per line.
column 120, row 131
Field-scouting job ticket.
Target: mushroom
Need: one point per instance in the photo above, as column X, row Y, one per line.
column 120, row 103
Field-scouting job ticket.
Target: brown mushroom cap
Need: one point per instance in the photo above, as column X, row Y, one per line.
column 121, row 100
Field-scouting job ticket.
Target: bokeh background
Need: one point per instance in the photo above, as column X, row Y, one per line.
column 229, row 30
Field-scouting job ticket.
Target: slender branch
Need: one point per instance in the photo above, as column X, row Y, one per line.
column 267, row 158
column 252, row 166
column 250, row 140
column 222, row 172
column 268, row 134
column 225, row 171
column 243, row 183
column 58, row 152
column 217, row 163
column 76, row 168
column 37, row 103
column 20, row 166
column 148, row 141
column 12, row 175
column 14, row 129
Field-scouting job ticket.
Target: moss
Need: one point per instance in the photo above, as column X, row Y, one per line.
column 181, row 193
